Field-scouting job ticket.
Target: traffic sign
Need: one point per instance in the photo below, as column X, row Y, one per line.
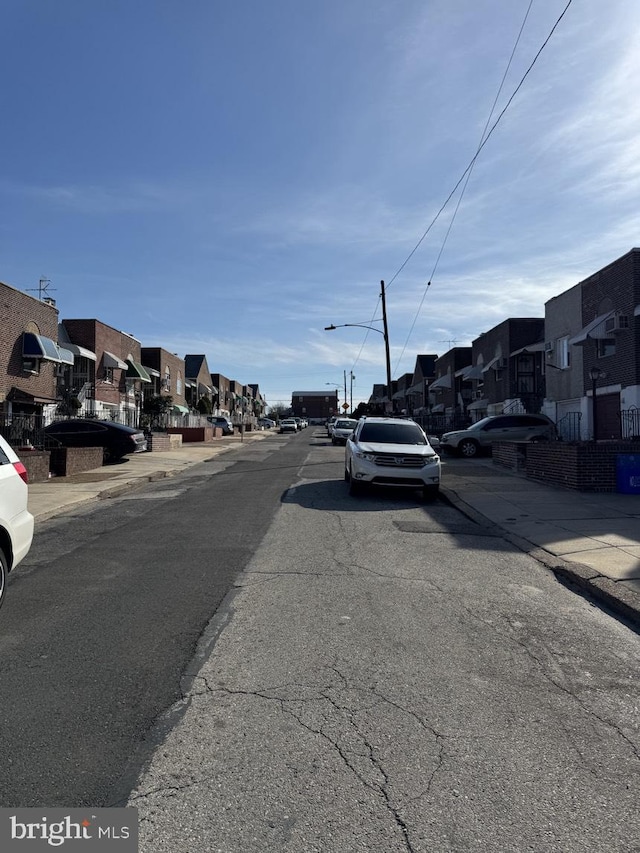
column 345, row 406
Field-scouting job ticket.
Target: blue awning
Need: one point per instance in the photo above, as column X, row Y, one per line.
column 37, row 346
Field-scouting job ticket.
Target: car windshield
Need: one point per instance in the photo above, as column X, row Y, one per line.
column 407, row 433
column 346, row 424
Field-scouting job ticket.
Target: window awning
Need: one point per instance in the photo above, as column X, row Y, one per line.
column 17, row 395
column 399, row 395
column 416, row 389
column 37, row 346
column 491, row 364
column 203, row 389
column 441, row 383
column 137, row 371
column 66, row 356
column 471, row 371
column 539, row 347
column 478, row 404
column 153, row 372
column 595, row 330
column 111, row 360
column 214, row 389
column 81, row 351
column 188, row 383
column 183, row 410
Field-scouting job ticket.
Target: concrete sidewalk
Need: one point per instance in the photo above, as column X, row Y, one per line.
column 591, row 539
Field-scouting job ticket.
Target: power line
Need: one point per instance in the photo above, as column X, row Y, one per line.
column 484, row 142
column 470, row 166
column 468, row 178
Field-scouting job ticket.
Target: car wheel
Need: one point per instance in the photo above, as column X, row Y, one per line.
column 468, row 448
column 4, row 570
column 430, row 493
column 107, row 456
column 355, row 488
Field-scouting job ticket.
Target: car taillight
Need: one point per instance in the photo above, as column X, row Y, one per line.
column 22, row 471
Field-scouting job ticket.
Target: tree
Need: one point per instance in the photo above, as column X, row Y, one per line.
column 279, row 411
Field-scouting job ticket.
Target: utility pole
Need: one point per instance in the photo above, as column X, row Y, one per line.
column 352, row 377
column 386, row 344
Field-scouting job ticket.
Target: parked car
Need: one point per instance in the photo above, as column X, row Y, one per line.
column 342, row 429
column 266, row 423
column 117, row 440
column 481, row 435
column 223, row 423
column 330, row 424
column 391, row 452
column 288, row 425
column 16, row 522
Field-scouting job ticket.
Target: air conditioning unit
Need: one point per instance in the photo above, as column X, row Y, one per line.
column 549, row 347
column 30, row 366
column 617, row 322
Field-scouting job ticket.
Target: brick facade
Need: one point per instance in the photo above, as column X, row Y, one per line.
column 20, row 313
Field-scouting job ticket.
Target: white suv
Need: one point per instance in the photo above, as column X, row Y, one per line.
column 391, row 452
column 16, row 522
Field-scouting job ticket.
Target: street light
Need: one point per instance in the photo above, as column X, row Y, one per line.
column 384, row 332
column 595, row 373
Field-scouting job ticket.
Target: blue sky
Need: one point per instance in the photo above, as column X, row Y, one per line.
column 229, row 178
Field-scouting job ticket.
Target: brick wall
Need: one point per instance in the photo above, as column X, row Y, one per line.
column 20, row 312
column 615, row 287
column 74, row 460
column 583, row 467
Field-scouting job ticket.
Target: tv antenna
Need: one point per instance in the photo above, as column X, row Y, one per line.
column 449, row 342
column 42, row 288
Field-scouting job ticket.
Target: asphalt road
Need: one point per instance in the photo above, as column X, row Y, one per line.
column 391, row 677
column 105, row 614
column 325, row 673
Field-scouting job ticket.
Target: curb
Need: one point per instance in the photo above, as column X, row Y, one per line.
column 620, row 600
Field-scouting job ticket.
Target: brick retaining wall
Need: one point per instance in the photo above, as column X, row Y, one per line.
column 74, row 460
column 585, row 467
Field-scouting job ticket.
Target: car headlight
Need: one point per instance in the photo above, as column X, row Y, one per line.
column 362, row 455
column 431, row 460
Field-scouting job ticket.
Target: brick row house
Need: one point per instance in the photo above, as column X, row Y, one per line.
column 586, row 348
column 52, row 368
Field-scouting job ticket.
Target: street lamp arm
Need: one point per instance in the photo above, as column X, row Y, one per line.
column 331, row 328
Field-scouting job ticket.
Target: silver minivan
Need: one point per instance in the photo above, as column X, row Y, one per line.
column 481, row 435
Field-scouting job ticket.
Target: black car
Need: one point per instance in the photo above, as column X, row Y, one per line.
column 117, row 440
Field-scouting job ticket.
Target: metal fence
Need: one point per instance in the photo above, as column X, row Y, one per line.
column 568, row 426
column 630, row 423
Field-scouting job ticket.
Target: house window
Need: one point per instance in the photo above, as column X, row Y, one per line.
column 108, row 374
column 178, row 384
column 605, row 347
column 166, row 382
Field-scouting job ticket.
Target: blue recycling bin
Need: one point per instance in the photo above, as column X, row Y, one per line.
column 628, row 473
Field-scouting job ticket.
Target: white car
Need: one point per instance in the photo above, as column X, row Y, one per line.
column 16, row 522
column 288, row 425
column 342, row 429
column 391, row 452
